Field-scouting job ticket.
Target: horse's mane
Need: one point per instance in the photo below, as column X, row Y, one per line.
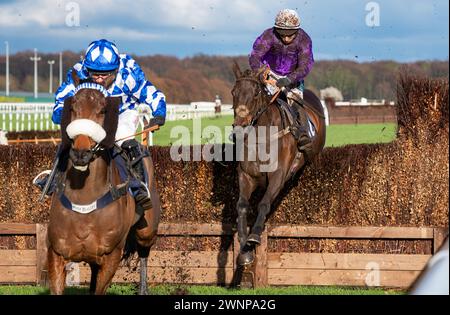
column 248, row 73
column 251, row 74
column 65, row 121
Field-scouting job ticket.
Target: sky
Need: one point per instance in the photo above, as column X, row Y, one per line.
column 359, row 30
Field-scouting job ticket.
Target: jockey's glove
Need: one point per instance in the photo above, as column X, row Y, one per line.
column 284, row 82
column 156, row 121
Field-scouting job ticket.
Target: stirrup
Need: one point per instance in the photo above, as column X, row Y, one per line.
column 146, row 189
column 298, row 132
column 307, row 150
column 304, row 141
column 46, row 172
column 143, row 201
column 142, row 187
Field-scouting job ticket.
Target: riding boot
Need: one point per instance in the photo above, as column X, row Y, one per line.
column 300, row 129
column 42, row 182
column 136, row 168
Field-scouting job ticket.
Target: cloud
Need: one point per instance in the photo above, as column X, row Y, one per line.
column 220, row 26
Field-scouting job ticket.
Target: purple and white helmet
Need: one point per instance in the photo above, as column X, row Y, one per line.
column 287, row 19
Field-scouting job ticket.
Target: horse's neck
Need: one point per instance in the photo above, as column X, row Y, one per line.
column 90, row 184
column 265, row 106
column 271, row 116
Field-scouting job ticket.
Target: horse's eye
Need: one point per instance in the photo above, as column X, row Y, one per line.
column 103, row 111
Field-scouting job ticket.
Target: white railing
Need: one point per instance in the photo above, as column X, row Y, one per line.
column 183, row 112
column 365, row 103
column 37, row 116
column 26, row 116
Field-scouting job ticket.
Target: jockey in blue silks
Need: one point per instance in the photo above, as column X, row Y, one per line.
column 122, row 77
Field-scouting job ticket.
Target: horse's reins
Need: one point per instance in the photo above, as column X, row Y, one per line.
column 150, row 129
column 264, row 109
column 266, row 80
column 258, row 114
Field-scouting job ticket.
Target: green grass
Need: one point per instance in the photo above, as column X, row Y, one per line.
column 116, row 289
column 337, row 135
column 163, row 136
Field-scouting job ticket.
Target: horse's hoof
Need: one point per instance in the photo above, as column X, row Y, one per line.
column 254, row 238
column 246, row 258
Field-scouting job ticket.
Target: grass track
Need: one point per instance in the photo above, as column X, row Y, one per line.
column 337, row 135
column 130, row 289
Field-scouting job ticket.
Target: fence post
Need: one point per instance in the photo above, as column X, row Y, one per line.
column 439, row 235
column 261, row 278
column 41, row 254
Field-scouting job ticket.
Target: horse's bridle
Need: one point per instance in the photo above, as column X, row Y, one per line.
column 98, row 87
column 94, row 151
column 261, row 110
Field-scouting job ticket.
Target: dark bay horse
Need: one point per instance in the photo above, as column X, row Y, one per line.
column 253, row 107
column 102, row 236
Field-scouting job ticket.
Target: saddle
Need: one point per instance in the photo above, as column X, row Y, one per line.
column 298, row 124
column 290, row 114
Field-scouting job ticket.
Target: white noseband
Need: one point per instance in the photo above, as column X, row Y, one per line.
column 86, row 127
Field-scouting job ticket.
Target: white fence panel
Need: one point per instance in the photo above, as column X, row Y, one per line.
column 37, row 116
column 26, row 116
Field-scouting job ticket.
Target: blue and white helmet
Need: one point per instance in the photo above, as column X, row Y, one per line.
column 102, row 55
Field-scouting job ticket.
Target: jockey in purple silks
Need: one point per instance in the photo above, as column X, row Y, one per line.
column 287, row 50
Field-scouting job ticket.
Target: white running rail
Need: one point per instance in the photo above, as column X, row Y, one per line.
column 26, row 116
column 37, row 116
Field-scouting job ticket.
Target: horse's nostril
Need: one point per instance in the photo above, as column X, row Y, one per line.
column 80, row 157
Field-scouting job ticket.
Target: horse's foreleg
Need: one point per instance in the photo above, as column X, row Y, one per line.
column 56, row 272
column 242, row 211
column 247, row 186
column 94, row 273
column 143, row 253
column 147, row 228
column 274, row 187
column 107, row 270
column 146, row 233
column 143, row 287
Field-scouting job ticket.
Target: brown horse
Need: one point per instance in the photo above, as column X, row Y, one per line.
column 253, row 107
column 103, row 236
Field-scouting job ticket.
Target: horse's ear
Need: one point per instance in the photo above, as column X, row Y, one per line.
column 76, row 79
column 236, row 70
column 66, row 118
column 111, row 121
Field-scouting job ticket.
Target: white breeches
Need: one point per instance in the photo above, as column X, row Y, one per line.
column 127, row 126
column 295, row 93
